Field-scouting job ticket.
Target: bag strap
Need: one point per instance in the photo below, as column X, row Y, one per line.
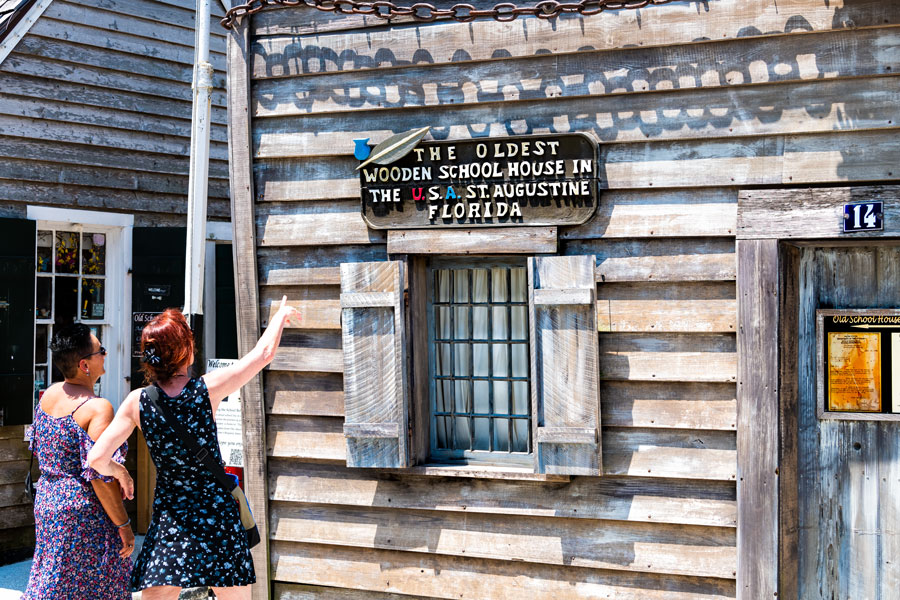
column 200, row 454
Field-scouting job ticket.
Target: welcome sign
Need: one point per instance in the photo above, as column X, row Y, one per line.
column 527, row 180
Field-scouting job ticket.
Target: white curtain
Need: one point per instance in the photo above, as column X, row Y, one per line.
column 473, row 356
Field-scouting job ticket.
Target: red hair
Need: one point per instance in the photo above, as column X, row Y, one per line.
column 167, row 344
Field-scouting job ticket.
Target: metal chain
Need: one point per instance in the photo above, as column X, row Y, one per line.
column 426, row 13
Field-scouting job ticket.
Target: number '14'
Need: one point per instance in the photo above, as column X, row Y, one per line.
column 868, row 218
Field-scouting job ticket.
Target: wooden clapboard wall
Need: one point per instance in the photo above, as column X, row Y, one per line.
column 95, row 111
column 95, row 114
column 690, row 102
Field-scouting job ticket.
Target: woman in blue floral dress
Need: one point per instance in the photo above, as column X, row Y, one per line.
column 83, row 535
column 195, row 537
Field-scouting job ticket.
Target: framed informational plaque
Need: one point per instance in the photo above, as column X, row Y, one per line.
column 858, row 360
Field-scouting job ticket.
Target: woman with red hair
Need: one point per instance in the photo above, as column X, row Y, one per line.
column 195, row 537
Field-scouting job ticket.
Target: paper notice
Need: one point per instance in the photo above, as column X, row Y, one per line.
column 854, row 371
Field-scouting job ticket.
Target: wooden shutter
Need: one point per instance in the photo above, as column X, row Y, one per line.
column 374, row 344
column 17, row 266
column 565, row 365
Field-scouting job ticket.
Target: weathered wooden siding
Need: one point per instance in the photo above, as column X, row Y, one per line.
column 95, row 111
column 690, row 102
column 95, row 114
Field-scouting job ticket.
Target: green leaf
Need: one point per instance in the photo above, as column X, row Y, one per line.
column 395, row 147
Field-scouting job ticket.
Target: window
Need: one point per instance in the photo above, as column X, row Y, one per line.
column 504, row 356
column 82, row 266
column 479, row 361
column 70, row 287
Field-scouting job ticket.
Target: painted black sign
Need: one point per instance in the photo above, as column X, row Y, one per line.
column 528, row 180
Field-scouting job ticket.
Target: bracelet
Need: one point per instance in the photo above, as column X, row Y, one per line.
column 125, row 524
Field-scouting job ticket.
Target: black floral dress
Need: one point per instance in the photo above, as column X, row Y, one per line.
column 195, row 536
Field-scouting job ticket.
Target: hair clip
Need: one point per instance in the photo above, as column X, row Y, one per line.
column 150, row 356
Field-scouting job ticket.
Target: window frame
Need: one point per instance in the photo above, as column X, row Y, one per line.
column 437, row 456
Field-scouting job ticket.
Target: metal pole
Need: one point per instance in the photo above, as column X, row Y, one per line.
column 198, row 182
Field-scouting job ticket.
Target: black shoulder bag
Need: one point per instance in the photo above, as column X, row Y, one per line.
column 203, row 456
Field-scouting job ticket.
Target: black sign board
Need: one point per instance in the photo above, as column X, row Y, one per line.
column 526, row 180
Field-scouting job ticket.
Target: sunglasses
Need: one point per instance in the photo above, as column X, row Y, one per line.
column 101, row 352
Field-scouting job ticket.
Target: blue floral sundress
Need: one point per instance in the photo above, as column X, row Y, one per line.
column 76, row 554
column 195, row 537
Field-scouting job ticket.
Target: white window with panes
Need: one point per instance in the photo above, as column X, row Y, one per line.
column 512, row 373
column 82, row 258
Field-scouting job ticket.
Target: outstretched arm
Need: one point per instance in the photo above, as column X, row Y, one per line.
column 223, row 382
column 100, row 456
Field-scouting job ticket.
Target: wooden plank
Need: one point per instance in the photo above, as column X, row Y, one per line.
column 86, row 154
column 312, row 265
column 668, row 357
column 564, row 297
column 336, row 223
column 724, row 112
column 323, row 360
column 13, row 494
column 12, row 432
column 106, row 38
column 92, row 134
column 688, row 307
column 633, row 499
column 488, row 240
column 648, row 260
column 455, row 577
column 565, row 389
column 319, row 305
column 73, row 91
column 654, row 548
column 788, row 418
column 305, row 394
column 369, row 300
column 316, row 178
column 776, row 213
column 59, row 60
column 16, row 516
column 452, row 42
column 307, row 438
column 670, row 405
column 660, row 213
column 13, row 471
column 757, row 413
column 110, row 198
column 678, row 454
column 45, row 109
column 290, row 591
column 92, row 176
column 256, row 444
column 13, row 449
column 111, row 17
column 833, row 157
column 726, row 63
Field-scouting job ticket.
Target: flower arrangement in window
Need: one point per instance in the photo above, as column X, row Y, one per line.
column 66, row 252
column 94, row 255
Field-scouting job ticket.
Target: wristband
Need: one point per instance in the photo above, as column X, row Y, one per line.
column 125, row 524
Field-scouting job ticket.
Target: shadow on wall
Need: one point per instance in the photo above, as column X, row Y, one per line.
column 344, row 84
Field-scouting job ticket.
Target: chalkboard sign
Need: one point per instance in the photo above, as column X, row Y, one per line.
column 858, row 363
column 513, row 181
